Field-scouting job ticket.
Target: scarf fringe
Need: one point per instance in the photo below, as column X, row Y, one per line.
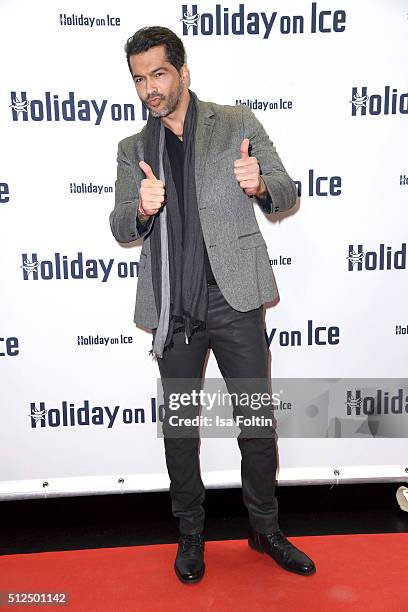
column 192, row 327
column 153, row 355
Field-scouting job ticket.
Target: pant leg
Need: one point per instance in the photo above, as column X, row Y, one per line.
column 239, row 342
column 181, row 369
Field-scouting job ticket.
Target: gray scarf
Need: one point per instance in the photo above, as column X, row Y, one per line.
column 176, row 239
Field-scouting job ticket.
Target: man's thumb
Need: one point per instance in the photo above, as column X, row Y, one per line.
column 244, row 148
column 147, row 170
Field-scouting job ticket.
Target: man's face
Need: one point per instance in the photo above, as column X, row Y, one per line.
column 158, row 84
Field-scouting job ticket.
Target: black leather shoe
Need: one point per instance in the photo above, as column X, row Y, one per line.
column 281, row 550
column 189, row 564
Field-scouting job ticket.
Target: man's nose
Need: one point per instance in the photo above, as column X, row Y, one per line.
column 150, row 87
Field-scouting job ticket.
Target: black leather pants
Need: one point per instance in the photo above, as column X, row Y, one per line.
column 240, row 346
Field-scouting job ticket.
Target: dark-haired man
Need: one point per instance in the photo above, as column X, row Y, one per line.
column 186, row 184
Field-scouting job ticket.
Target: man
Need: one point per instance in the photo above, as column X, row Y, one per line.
column 186, row 184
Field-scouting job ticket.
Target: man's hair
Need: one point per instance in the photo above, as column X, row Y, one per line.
column 148, row 37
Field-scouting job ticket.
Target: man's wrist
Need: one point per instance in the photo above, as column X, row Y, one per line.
column 141, row 214
column 262, row 191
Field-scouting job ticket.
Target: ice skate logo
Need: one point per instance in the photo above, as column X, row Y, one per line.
column 359, row 101
column 355, row 258
column 38, row 414
column 353, row 404
column 190, row 19
column 30, row 266
column 19, row 106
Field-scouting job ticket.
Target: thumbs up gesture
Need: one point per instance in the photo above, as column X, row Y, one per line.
column 247, row 173
column 151, row 192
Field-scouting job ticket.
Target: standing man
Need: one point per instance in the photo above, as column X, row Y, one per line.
column 186, row 184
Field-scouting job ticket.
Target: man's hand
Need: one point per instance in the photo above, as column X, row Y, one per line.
column 151, row 193
column 247, row 173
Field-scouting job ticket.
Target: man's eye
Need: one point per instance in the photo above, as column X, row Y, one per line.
column 159, row 74
column 138, row 80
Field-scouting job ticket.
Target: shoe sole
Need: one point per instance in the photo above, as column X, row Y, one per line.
column 194, row 580
column 256, row 547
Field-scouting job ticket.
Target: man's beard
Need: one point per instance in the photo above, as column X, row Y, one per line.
column 172, row 102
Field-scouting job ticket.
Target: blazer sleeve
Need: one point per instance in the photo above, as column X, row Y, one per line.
column 123, row 219
column 282, row 190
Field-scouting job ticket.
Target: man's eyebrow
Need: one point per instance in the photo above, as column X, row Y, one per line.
column 151, row 72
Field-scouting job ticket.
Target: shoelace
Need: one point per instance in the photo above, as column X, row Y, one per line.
column 192, row 543
column 278, row 539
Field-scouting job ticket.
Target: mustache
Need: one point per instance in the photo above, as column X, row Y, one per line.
column 155, row 96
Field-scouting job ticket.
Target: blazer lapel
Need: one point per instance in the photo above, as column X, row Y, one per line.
column 204, row 130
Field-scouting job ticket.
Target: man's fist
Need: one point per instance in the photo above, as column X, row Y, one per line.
column 151, row 192
column 247, row 173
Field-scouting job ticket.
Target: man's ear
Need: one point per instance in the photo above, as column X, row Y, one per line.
column 185, row 75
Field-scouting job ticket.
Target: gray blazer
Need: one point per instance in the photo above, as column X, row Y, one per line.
column 236, row 248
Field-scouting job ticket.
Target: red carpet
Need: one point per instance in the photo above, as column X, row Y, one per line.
column 354, row 572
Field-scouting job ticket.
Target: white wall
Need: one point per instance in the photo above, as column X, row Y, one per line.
column 41, row 158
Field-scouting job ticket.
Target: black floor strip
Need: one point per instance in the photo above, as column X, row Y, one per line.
column 107, row 521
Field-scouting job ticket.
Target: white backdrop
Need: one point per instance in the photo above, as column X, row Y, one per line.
column 332, row 76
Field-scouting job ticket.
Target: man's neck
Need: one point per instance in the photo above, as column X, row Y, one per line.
column 175, row 121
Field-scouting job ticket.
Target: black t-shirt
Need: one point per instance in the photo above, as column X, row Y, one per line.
column 175, row 151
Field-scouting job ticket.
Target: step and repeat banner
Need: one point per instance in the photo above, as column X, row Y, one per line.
column 328, row 81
